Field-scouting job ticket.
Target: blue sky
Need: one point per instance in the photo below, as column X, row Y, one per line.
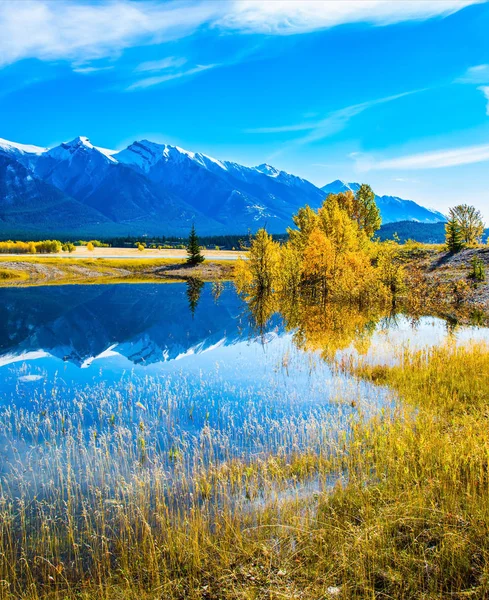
column 395, row 94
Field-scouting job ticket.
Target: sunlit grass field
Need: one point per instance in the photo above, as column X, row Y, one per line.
column 46, row 270
column 396, row 507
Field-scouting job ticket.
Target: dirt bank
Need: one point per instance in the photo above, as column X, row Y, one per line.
column 438, row 279
column 53, row 270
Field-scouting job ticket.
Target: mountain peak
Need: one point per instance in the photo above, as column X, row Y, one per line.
column 267, row 169
column 80, row 143
column 81, row 140
column 145, row 154
column 338, row 185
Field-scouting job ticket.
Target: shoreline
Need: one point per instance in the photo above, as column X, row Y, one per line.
column 47, row 270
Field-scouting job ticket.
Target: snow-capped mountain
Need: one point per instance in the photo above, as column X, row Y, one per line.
column 392, row 208
column 29, row 204
column 236, row 196
column 77, row 188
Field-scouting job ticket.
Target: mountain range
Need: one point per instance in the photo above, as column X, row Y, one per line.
column 78, row 189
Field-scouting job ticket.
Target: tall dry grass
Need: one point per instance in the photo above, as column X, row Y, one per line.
column 395, row 506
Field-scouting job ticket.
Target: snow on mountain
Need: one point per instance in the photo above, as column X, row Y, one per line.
column 392, row 208
column 145, row 154
column 236, row 196
column 68, row 150
column 268, row 170
column 152, row 188
column 30, row 204
column 14, row 148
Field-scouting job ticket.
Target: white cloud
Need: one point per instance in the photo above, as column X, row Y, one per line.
column 286, row 17
column 477, row 74
column 428, row 160
column 73, row 30
column 171, row 62
column 485, row 90
column 79, row 31
column 151, row 81
column 333, row 123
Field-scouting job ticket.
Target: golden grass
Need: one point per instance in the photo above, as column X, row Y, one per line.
column 408, row 517
column 43, row 270
column 13, row 274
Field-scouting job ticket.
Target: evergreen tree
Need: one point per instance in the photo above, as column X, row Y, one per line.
column 453, row 235
column 195, row 257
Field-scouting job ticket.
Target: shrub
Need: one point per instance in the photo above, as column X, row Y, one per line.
column 478, row 269
column 90, row 246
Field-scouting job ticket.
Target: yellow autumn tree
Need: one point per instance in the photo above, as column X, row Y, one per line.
column 261, row 270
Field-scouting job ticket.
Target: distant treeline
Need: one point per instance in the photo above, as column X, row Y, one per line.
column 225, row 242
column 429, row 233
column 41, row 247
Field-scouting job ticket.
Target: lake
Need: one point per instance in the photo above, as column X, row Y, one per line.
column 141, row 425
column 186, row 363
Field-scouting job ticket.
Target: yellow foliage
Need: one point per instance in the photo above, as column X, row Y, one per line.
column 42, row 247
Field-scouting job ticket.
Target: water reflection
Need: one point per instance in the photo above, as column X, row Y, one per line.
column 147, row 323
column 185, row 363
column 193, row 364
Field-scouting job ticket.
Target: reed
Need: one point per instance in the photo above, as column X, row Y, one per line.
column 116, row 499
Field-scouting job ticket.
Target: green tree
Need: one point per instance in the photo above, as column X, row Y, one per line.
column 367, row 213
column 470, row 222
column 453, row 235
column 360, row 207
column 195, row 256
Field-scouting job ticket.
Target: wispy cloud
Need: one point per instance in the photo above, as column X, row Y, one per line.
column 439, row 159
column 287, row 17
column 77, row 30
column 333, row 123
column 477, row 74
column 157, row 80
column 90, row 70
column 485, row 90
column 171, row 62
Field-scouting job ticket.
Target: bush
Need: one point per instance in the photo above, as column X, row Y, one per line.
column 68, row 247
column 478, row 269
column 12, row 274
column 90, row 246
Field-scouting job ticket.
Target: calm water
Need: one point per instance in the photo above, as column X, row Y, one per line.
column 183, row 362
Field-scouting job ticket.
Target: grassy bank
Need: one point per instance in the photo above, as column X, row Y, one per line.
column 37, row 270
column 408, row 515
